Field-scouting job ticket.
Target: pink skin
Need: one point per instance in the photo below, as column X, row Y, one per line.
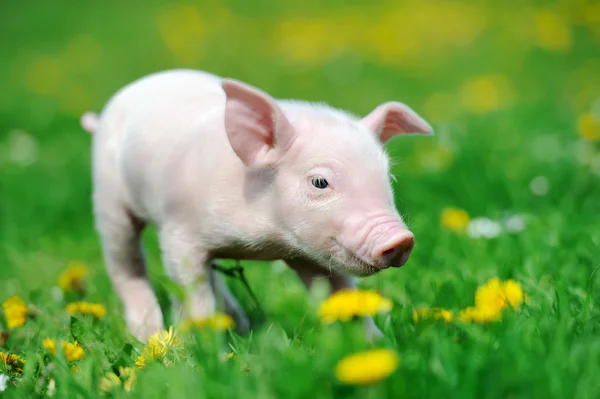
column 226, row 171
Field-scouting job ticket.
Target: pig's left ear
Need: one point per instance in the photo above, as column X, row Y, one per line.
column 257, row 129
column 394, row 118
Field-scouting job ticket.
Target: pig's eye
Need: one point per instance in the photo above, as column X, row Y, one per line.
column 319, row 182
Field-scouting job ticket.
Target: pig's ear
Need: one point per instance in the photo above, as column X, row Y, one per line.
column 394, row 118
column 257, row 129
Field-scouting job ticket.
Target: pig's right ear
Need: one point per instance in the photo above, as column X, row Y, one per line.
column 257, row 129
column 393, row 118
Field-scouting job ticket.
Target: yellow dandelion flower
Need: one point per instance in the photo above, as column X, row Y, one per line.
column 163, row 340
column 491, row 299
column 12, row 362
column 514, row 293
column 95, row 309
column 552, row 31
column 491, row 295
column 589, row 127
column 495, row 294
column 367, row 367
column 43, row 75
column 436, row 313
column 455, row 219
column 373, row 303
column 72, row 352
column 159, row 345
column 111, row 381
column 15, row 312
column 480, row 315
column 73, row 278
column 127, row 375
column 140, row 362
column 347, row 304
column 50, row 345
column 217, row 322
column 486, row 93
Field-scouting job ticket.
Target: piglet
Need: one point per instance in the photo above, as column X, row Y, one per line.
column 223, row 170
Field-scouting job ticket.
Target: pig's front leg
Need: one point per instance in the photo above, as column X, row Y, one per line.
column 309, row 272
column 187, row 264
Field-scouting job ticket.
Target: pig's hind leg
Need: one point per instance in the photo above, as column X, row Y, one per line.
column 120, row 233
column 231, row 305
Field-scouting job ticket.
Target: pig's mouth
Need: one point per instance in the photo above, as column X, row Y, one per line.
column 352, row 262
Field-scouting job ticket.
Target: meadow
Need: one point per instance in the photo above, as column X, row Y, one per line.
column 500, row 296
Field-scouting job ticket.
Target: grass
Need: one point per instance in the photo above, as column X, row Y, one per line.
column 504, row 90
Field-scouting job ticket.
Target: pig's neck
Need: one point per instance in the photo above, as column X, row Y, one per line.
column 241, row 221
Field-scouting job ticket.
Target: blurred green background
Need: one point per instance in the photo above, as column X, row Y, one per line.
column 512, row 89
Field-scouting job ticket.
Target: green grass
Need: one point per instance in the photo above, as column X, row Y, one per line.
column 62, row 58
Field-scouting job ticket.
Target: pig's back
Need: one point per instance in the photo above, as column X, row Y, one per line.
column 147, row 130
column 144, row 104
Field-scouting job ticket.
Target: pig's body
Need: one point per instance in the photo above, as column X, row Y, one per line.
column 170, row 163
column 224, row 174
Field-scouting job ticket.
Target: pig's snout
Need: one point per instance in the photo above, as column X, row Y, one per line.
column 394, row 250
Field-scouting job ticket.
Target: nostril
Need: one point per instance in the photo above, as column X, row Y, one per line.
column 386, row 257
column 388, row 253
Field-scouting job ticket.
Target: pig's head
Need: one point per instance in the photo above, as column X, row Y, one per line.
column 329, row 189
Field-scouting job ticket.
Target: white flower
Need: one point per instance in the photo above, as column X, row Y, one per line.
column 22, row 148
column 584, row 151
column 515, row 224
column 57, row 294
column 51, row 387
column 539, row 185
column 3, row 382
column 483, row 227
